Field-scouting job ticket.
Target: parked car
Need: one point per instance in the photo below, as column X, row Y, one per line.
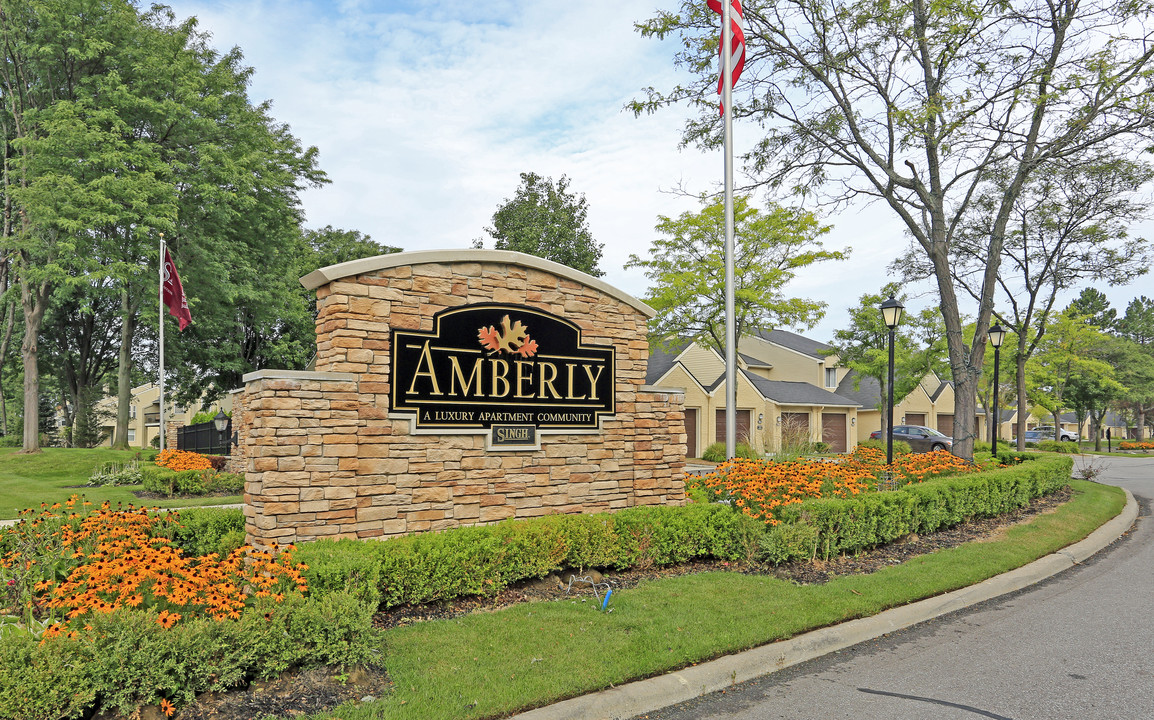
column 1033, row 436
column 1047, row 432
column 919, row 437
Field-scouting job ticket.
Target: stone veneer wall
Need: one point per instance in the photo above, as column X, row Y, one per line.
column 324, row 459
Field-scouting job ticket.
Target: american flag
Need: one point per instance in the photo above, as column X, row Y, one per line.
column 738, row 46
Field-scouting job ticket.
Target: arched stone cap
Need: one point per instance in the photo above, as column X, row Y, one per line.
column 326, row 275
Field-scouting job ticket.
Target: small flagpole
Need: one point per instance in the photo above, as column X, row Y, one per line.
column 730, row 333
column 160, row 316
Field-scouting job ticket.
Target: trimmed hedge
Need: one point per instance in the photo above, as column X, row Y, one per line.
column 484, row 560
column 848, row 526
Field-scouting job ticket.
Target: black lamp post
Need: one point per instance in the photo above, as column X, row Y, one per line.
column 220, row 422
column 891, row 315
column 997, row 334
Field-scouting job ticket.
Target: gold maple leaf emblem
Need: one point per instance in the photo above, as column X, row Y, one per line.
column 513, row 339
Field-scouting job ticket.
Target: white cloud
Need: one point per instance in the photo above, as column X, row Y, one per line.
column 425, row 113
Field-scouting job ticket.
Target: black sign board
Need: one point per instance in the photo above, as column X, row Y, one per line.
column 489, row 365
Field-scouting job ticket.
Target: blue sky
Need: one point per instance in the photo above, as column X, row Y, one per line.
column 426, row 112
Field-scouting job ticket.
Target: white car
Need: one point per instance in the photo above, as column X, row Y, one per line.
column 1047, row 432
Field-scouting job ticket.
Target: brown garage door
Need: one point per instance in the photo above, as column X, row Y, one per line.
column 946, row 425
column 691, row 432
column 742, row 425
column 833, row 431
column 915, row 419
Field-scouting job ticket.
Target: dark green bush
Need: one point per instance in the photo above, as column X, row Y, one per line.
column 163, row 481
column 200, row 531
column 873, row 519
column 128, row 660
column 789, row 543
column 485, row 559
column 1065, row 447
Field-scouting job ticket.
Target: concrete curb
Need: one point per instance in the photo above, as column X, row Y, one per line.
column 658, row 692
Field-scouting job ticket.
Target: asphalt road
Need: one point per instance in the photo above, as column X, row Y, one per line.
column 1079, row 645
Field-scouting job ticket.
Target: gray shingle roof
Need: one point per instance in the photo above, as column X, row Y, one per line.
column 785, row 392
column 868, row 395
column 661, row 361
column 795, row 342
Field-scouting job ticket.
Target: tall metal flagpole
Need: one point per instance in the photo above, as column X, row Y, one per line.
column 160, row 316
column 730, row 334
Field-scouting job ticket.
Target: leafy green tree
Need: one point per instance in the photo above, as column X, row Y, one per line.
column 917, row 105
column 59, row 78
column 1068, row 225
column 1137, row 326
column 1070, row 349
column 687, row 270
column 549, row 221
column 919, row 346
column 1092, row 396
column 332, row 246
column 150, row 132
column 1094, row 305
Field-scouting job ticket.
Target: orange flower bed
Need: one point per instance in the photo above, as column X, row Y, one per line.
column 760, row 487
column 113, row 558
column 1135, row 445
column 183, row 460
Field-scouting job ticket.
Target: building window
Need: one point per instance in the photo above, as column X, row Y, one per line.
column 831, row 377
column 131, row 435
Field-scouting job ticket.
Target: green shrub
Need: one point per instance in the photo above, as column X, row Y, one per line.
column 348, row 566
column 872, row 519
column 1065, row 447
column 200, row 531
column 11, row 440
column 982, row 446
column 114, row 473
column 189, row 482
column 1014, row 457
column 787, row 543
column 901, row 447
column 224, row 482
column 716, row 452
column 486, row 559
column 128, row 660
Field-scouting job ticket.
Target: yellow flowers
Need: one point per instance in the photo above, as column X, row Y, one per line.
column 759, row 488
column 112, row 559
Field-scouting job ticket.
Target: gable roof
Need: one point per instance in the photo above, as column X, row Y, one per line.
column 662, row 361
column 785, row 392
column 795, row 342
column 868, row 395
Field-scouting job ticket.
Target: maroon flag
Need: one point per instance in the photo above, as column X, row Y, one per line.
column 172, row 293
column 738, row 46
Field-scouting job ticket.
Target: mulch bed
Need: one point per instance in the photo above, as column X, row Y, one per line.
column 324, row 688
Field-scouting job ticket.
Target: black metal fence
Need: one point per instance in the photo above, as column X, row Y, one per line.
column 204, row 438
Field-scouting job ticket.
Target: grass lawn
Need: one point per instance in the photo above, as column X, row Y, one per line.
column 28, row 480
column 492, row 664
